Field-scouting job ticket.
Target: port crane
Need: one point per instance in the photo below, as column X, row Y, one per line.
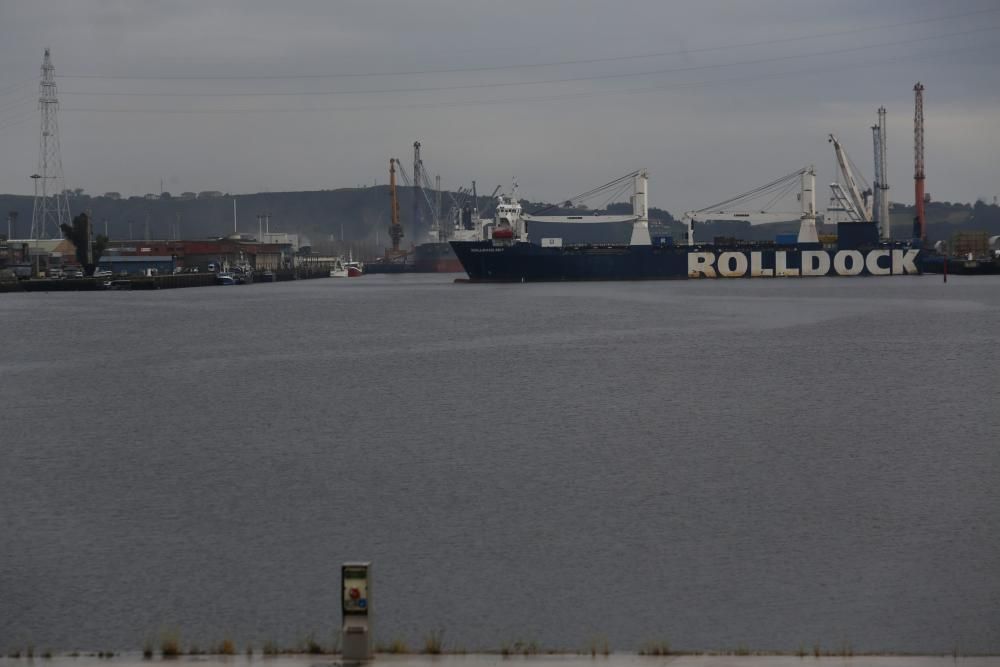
column 395, row 229
column 736, row 209
column 881, row 184
column 855, row 203
column 423, row 192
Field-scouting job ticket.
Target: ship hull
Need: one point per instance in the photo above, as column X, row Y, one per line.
column 436, row 258
column 487, row 261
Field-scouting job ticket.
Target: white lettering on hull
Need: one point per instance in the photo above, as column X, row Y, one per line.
column 700, row 264
column 871, row 263
column 756, row 268
column 904, row 261
column 736, row 264
column 848, row 263
column 815, row 262
column 781, row 265
column 732, row 264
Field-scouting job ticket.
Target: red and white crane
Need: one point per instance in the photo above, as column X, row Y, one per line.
column 919, row 224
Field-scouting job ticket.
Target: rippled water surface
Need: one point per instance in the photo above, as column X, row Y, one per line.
column 761, row 463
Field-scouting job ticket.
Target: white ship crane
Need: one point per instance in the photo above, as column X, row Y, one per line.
column 736, row 208
column 637, row 180
column 856, row 204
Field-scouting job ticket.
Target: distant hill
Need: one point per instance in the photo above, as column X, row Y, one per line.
column 361, row 217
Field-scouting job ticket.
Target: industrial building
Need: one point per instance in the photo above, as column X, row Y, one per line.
column 203, row 255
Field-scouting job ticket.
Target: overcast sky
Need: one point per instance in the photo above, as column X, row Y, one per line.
column 713, row 97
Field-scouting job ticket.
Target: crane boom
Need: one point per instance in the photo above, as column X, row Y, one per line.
column 806, row 178
column 409, row 183
column 855, row 197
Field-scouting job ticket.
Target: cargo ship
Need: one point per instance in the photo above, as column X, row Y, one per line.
column 504, row 250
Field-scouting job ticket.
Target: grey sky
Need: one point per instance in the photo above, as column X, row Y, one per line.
column 706, row 128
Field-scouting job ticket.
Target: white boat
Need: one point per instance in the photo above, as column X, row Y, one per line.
column 338, row 269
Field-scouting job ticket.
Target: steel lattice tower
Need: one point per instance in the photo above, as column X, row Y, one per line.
column 920, row 226
column 51, row 203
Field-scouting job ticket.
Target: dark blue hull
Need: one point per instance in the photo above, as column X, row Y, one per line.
column 490, row 261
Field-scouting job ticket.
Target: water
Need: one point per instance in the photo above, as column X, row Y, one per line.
column 718, row 463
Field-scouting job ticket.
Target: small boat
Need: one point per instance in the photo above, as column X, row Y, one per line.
column 225, row 279
column 354, row 269
column 268, row 277
column 338, row 269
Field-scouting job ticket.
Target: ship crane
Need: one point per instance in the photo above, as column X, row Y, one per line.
column 855, row 203
column 409, row 183
column 736, row 209
column 395, row 229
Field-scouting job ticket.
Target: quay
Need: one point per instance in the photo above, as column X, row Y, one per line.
column 137, row 282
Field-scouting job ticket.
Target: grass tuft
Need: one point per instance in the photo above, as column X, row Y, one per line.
column 47, row 654
column 433, row 642
column 227, row 647
column 599, row 646
column 655, row 648
column 270, row 647
column 817, row 651
column 170, row 644
column 519, row 648
column 310, row 645
column 396, row 646
column 249, row 650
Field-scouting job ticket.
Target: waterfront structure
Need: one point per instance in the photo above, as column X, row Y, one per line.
column 204, row 254
column 51, row 208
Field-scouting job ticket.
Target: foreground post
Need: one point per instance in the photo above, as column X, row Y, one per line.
column 356, row 631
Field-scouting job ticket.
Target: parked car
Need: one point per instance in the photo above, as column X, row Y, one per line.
column 102, row 273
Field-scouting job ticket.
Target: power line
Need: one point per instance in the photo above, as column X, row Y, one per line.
column 507, row 84
column 555, row 63
column 524, row 99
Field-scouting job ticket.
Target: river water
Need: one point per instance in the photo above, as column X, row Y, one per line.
column 759, row 463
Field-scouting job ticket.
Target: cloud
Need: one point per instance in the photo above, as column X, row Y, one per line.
column 744, row 92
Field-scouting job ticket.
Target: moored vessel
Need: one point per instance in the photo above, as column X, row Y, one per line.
column 507, row 253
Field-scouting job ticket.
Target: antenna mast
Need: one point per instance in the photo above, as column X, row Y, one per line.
column 51, row 207
column 919, row 224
